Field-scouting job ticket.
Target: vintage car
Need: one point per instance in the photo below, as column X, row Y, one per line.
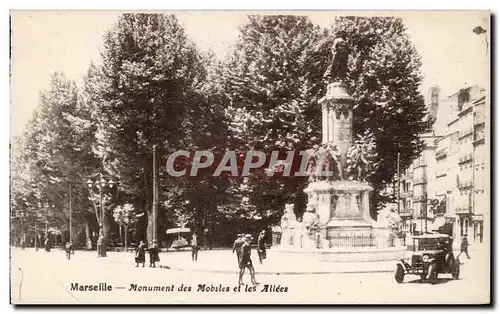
column 432, row 255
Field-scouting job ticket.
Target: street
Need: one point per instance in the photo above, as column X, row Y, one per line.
column 41, row 277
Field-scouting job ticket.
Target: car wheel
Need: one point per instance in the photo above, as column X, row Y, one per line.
column 456, row 270
column 399, row 275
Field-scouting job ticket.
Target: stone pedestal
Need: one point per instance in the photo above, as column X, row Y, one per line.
column 337, row 118
column 343, row 208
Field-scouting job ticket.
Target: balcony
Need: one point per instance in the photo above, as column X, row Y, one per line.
column 405, row 194
column 465, row 158
column 465, row 184
column 479, row 138
column 418, row 198
column 478, row 118
column 441, row 153
column 441, row 174
column 463, row 210
column 419, row 181
column 466, row 133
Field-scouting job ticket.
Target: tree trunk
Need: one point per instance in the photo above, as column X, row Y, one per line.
column 126, row 232
column 150, row 236
column 88, row 240
column 106, row 229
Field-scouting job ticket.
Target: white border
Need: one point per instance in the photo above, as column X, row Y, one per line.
column 195, row 5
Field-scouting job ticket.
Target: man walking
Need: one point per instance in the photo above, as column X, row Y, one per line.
column 195, row 247
column 245, row 260
column 464, row 247
column 68, row 248
column 261, row 246
column 237, row 245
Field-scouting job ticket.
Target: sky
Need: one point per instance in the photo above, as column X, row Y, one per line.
column 46, row 41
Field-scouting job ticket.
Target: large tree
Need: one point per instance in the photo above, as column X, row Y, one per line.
column 151, row 90
column 56, row 153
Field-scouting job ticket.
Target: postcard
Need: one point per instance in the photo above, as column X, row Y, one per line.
column 238, row 157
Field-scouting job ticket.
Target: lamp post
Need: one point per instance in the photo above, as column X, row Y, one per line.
column 100, row 183
column 70, row 216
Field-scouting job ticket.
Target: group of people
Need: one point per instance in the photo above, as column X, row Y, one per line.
column 154, row 250
column 243, row 249
column 140, row 253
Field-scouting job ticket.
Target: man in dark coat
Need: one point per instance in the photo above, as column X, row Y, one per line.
column 237, row 245
column 246, row 261
column 140, row 254
column 154, row 255
column 464, row 247
column 195, row 247
column 261, row 246
column 68, row 248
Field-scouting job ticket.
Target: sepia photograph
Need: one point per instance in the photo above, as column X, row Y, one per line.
column 250, row 157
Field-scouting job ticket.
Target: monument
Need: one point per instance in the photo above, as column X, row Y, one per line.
column 337, row 217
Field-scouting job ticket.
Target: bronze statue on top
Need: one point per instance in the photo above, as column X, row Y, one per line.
column 340, row 56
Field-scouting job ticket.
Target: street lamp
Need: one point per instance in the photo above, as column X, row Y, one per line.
column 101, row 184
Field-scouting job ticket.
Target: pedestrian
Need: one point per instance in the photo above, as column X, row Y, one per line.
column 261, row 246
column 47, row 245
column 68, row 248
column 246, row 260
column 464, row 247
column 195, row 247
column 99, row 246
column 140, row 254
column 154, row 255
column 237, row 245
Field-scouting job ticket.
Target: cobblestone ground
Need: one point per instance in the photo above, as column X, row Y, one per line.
column 41, row 277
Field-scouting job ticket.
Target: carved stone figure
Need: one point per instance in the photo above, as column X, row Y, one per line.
column 353, row 157
column 311, row 163
column 310, row 219
column 361, row 157
column 334, row 154
column 340, row 55
column 289, row 219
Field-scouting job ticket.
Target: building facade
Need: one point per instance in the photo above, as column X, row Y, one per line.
column 450, row 178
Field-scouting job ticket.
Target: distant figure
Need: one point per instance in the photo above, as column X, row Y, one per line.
column 464, row 247
column 68, row 248
column 140, row 254
column 154, row 255
column 99, row 246
column 237, row 245
column 89, row 244
column 195, row 247
column 47, row 245
column 246, row 260
column 261, row 246
column 23, row 245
